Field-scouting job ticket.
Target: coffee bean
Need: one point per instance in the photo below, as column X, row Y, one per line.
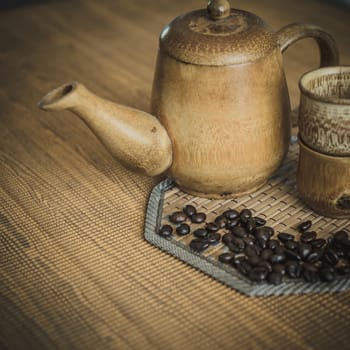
column 258, row 249
column 211, row 227
column 337, row 243
column 326, row 266
column 255, row 253
column 230, row 214
column 277, row 258
column 272, row 244
column 293, row 269
column 178, row 217
column 268, row 229
column 274, row 278
column 189, row 210
column 259, row 221
column 261, row 243
column 304, row 226
column 310, row 272
column 330, row 257
column 311, row 277
column 248, row 241
column 329, row 241
column 198, row 218
column 291, row 254
column 227, row 238
column 239, row 232
column 343, row 267
column 262, row 235
column 257, row 274
column 200, row 233
column 265, row 264
column 238, row 242
column 232, row 223
column 226, row 258
column 165, row 231
column 318, row 243
column 253, row 260
column 341, row 235
column 340, row 252
column 234, row 248
column 304, row 250
column 307, row 237
column 198, row 245
column 340, row 244
column 238, row 258
column 279, row 250
column 264, row 232
column 213, row 238
column 343, row 270
column 183, row 229
column 250, row 250
column 310, row 267
column 314, row 256
column 345, row 244
column 327, row 275
column 245, row 214
column 250, row 225
column 220, row 221
column 266, row 254
column 280, row 268
column 291, row 245
column 284, row 237
column 243, row 267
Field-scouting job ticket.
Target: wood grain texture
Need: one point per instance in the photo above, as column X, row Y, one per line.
column 75, row 271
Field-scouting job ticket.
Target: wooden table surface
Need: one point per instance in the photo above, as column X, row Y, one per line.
column 74, row 269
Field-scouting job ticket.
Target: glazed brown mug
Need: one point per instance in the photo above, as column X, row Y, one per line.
column 324, row 113
column 324, row 182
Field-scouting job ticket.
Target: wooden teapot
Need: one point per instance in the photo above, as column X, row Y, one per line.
column 220, row 104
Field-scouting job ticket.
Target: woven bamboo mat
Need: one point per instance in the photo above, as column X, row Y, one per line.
column 277, row 202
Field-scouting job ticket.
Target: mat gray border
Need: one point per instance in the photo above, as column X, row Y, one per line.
column 216, row 269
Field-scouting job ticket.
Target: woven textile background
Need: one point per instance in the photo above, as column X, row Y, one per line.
column 106, row 287
column 75, row 269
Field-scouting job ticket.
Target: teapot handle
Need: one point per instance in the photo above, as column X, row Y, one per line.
column 293, row 32
column 329, row 54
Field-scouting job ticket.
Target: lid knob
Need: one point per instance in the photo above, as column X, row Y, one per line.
column 218, row 9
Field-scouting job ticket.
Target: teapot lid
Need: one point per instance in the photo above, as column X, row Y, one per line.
column 217, row 36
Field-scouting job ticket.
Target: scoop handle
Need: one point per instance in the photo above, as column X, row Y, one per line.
column 328, row 48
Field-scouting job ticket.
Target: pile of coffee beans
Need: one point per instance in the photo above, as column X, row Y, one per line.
column 257, row 252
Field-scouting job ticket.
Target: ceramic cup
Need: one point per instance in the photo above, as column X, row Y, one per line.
column 324, row 182
column 324, row 113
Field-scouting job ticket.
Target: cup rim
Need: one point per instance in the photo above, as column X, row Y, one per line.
column 306, row 77
column 321, row 154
